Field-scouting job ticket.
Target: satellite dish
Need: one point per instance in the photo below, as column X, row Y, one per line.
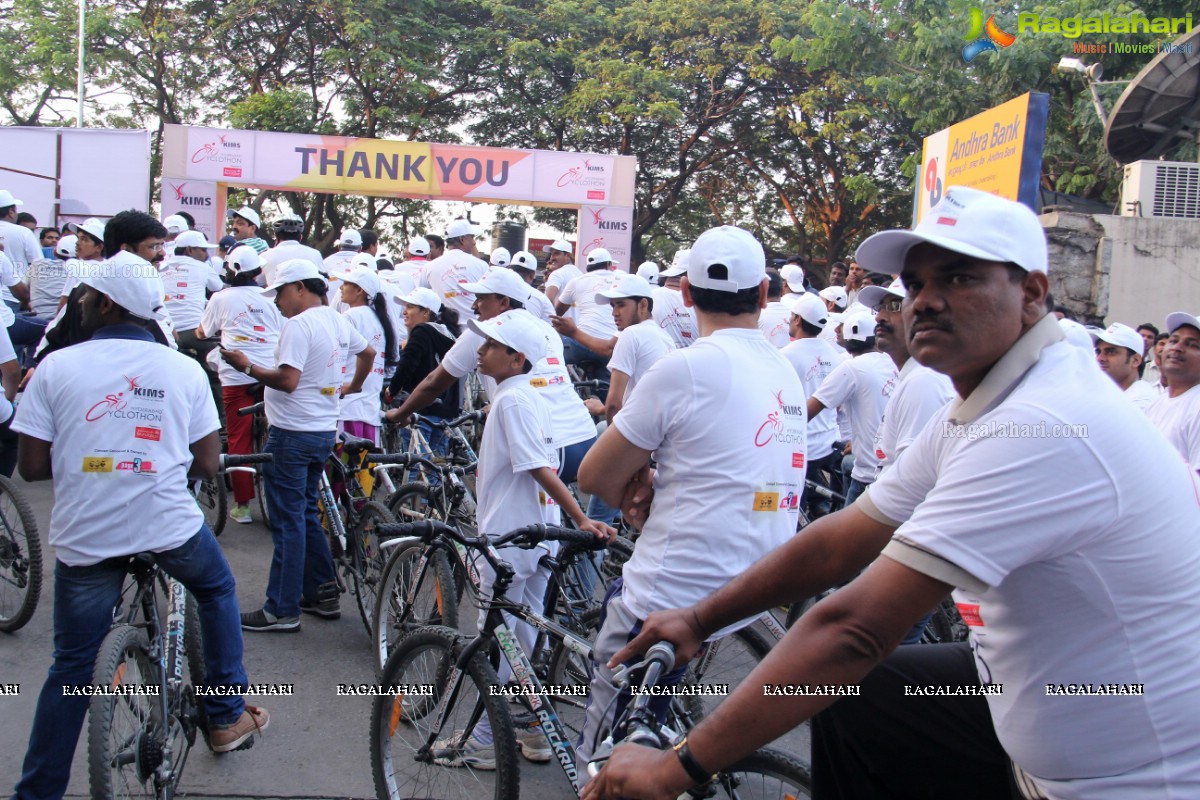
column 1160, row 106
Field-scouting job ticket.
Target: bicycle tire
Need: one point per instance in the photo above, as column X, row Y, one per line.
column 124, row 732
column 20, row 559
column 193, row 648
column 433, row 604
column 737, row 654
column 213, row 499
column 765, row 774
column 259, row 434
column 400, row 722
column 367, row 560
column 416, row 501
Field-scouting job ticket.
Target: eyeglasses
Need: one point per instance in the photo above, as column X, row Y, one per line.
column 891, row 305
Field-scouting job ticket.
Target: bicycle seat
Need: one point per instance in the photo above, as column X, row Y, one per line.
column 141, row 563
column 354, row 445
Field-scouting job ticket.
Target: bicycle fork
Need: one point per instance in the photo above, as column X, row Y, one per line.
column 336, row 526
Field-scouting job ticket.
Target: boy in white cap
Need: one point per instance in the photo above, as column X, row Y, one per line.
column 120, row 425
column 368, row 312
column 1119, row 354
column 245, row 224
column 1176, row 412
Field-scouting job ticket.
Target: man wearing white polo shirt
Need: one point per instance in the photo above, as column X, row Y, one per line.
column 592, row 319
column 289, row 231
column 774, row 319
column 456, row 267
column 1176, row 412
column 187, row 277
column 1119, row 355
column 560, row 268
column 418, row 261
column 1024, row 498
column 302, row 408
column 641, row 342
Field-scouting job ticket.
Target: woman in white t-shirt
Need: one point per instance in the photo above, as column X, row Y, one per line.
column 368, row 314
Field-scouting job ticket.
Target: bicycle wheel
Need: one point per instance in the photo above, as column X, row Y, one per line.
column 413, row 502
column 367, row 559
column 433, row 603
column 213, row 499
column 260, row 443
column 404, row 731
column 765, row 775
column 125, row 732
column 736, row 655
column 20, row 558
column 193, row 648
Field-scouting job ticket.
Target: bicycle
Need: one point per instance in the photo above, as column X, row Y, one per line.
column 141, row 729
column 213, row 499
column 258, row 434
column 20, row 558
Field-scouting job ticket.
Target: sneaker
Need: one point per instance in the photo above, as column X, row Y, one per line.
column 449, row 753
column 241, row 514
column 239, row 735
column 263, row 620
column 534, row 745
column 329, row 608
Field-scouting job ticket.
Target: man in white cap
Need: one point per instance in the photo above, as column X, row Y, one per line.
column 175, row 225
column 648, row 271
column 456, row 267
column 418, row 260
column 20, row 244
column 349, row 246
column 1119, row 354
column 301, row 397
column 121, row 425
column 289, row 244
column 835, row 298
column 560, row 267
column 525, row 265
column 89, row 250
column 725, row 422
column 1176, row 412
column 499, row 257
column 773, row 321
column 676, row 319
column 590, row 318
column 641, row 342
column 245, row 224
column 188, row 280
column 1039, row 490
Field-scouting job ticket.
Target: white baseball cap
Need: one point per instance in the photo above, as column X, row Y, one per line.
column 175, row 224
column 92, row 227
column 461, row 227
column 836, row 295
column 350, row 238
column 66, row 246
column 500, row 281
column 873, row 296
column 249, row 214
column 362, row 277
column 191, row 238
column 598, row 256
column 242, row 258
column 648, row 270
column 6, row 199
column 500, row 257
column 523, row 259
column 1121, row 336
column 679, row 264
column 562, row 245
column 807, row 307
column 291, row 271
column 519, row 330
column 726, row 259
column 968, row 221
column 365, row 261
column 419, row 246
column 793, row 276
column 131, row 282
column 1178, row 318
column 425, row 298
column 626, row 286
column 858, row 326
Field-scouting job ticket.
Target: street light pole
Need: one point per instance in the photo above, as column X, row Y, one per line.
column 79, row 68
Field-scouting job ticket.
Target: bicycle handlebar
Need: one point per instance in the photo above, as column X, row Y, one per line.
column 228, row 460
column 527, row 537
column 641, row 725
column 470, row 416
column 254, row 409
column 593, row 383
column 403, row 459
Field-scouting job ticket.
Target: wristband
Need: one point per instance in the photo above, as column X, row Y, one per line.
column 690, row 766
column 248, row 368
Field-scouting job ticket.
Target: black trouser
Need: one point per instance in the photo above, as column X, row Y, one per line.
column 888, row 746
column 8, row 447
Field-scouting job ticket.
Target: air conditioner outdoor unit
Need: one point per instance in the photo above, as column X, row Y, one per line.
column 1161, row 189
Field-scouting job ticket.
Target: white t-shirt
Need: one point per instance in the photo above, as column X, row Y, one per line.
column 591, row 317
column 862, row 387
column 638, row 348
column 516, row 439
column 46, row 278
column 121, row 414
column 539, row 305
column 562, row 276
column 22, row 248
column 813, row 360
column 1072, row 530
column 919, row 395
column 773, row 322
column 286, row 250
column 1141, row 394
column 676, row 320
column 364, row 406
column 446, row 275
column 1178, row 419
column 186, row 281
column 413, row 268
column 338, row 262
column 246, row 321
column 725, row 419
column 8, row 277
column 315, row 342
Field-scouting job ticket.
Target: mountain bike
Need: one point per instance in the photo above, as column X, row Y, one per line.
column 20, row 558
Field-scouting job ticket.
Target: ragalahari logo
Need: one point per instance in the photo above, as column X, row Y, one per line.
column 984, row 37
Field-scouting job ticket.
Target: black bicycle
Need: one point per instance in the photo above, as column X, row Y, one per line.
column 20, row 558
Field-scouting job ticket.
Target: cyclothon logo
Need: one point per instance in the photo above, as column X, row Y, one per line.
column 775, row 427
column 607, row 224
column 586, row 176
column 117, row 405
column 983, row 37
column 185, row 199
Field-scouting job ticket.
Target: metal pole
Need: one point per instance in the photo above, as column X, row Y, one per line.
column 79, row 69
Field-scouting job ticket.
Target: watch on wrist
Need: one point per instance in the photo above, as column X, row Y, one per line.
column 690, row 765
column 248, row 368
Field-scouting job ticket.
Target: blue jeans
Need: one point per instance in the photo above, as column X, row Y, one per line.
column 26, row 333
column 854, row 490
column 593, row 365
column 84, row 598
column 302, row 561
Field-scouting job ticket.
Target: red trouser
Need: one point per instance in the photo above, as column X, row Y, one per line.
column 240, row 431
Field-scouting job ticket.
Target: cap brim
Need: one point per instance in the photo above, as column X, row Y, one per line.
column 885, row 251
column 485, row 330
column 872, row 296
column 476, row 288
column 673, row 272
column 1179, row 318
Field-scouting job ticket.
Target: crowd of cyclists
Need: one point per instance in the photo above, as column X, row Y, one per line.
column 734, row 404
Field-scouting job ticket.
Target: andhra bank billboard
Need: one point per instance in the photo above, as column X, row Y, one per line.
column 998, row 151
column 392, row 168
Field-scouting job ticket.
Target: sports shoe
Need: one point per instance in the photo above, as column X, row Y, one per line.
column 448, row 753
column 241, row 514
column 263, row 620
column 239, row 735
column 534, row 745
column 328, row 608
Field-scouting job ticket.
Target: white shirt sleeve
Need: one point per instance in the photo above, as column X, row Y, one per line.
column 567, row 294
column 837, row 386
column 625, row 353
column 33, row 250
column 8, row 271
column 7, row 351
column 646, row 419
column 463, row 355
column 34, row 416
column 212, row 320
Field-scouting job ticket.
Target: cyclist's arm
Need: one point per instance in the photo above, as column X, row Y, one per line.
column 33, row 458
column 601, row 347
column 551, row 293
column 427, row 391
column 609, row 466
column 616, row 394
column 559, row 308
column 20, row 291
column 362, row 368
column 206, row 456
column 815, row 407
column 10, row 378
column 285, row 378
column 549, row 481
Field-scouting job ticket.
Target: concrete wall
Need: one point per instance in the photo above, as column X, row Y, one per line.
column 1123, row 269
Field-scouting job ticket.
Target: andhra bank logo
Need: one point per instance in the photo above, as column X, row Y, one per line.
column 983, row 37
